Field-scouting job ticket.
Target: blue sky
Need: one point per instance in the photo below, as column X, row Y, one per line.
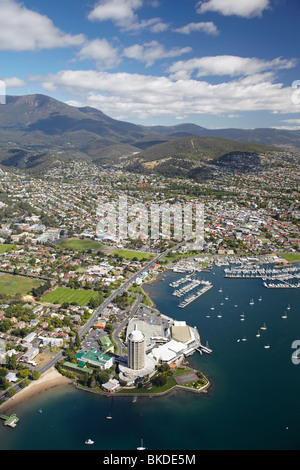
column 216, row 63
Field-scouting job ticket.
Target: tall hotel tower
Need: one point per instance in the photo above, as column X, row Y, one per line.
column 136, row 349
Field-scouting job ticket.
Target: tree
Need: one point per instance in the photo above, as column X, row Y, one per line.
column 159, row 380
column 11, row 361
column 77, row 342
column 35, row 375
column 102, row 377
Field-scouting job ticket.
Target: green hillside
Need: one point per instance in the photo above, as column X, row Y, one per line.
column 200, row 148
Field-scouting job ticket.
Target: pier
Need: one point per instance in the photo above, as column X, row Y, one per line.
column 180, row 281
column 191, row 298
column 204, row 349
column 10, row 421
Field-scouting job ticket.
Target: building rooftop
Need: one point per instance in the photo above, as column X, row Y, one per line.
column 182, row 334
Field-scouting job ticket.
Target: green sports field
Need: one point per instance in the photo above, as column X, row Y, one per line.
column 4, row 248
column 12, row 285
column 76, row 244
column 130, row 254
column 64, row 294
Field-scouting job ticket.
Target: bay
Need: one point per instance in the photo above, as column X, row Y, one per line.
column 251, row 404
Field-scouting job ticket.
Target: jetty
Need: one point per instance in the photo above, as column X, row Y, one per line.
column 207, row 285
column 180, row 281
column 10, row 421
column 194, row 283
column 205, row 349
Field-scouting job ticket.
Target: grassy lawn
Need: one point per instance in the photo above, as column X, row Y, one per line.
column 139, row 290
column 64, row 294
column 170, row 383
column 130, row 254
column 12, row 285
column 76, row 244
column 291, row 257
column 174, row 256
column 4, row 248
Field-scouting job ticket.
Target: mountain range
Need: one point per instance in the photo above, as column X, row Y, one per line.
column 37, row 130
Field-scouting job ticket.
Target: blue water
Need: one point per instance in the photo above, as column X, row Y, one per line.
column 252, row 403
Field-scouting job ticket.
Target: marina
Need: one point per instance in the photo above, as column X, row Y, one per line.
column 273, row 278
column 207, row 286
column 184, row 290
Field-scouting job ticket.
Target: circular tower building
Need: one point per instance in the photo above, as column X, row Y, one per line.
column 136, row 349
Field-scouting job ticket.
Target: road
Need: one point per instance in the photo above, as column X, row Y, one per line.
column 117, row 331
column 120, row 291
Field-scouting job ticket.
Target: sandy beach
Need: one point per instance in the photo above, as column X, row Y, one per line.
column 47, row 381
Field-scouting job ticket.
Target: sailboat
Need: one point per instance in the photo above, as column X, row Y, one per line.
column 288, row 307
column 220, row 290
column 260, row 299
column 212, row 307
column 141, row 446
column 258, row 334
column 109, row 416
column 284, row 315
column 244, row 339
column 251, row 302
column 89, row 442
column 267, row 346
column 242, row 316
column 219, row 316
column 263, row 327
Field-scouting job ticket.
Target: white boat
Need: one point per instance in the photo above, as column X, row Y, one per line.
column 219, row 316
column 288, row 307
column 220, row 290
column 141, row 446
column 258, row 334
column 251, row 302
column 260, row 299
column 263, row 327
column 242, row 317
column 212, row 307
column 244, row 339
column 109, row 416
column 284, row 315
column 267, row 346
column 226, row 298
column 89, row 442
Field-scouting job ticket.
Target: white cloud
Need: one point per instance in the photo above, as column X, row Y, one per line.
column 14, row 82
column 101, row 51
column 123, row 14
column 152, row 51
column 22, row 29
column 133, row 96
column 227, row 65
column 291, row 125
column 243, row 8
column 115, row 10
column 207, row 27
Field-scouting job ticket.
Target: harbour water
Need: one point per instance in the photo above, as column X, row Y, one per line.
column 253, row 402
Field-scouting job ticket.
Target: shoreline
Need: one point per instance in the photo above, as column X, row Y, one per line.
column 51, row 379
